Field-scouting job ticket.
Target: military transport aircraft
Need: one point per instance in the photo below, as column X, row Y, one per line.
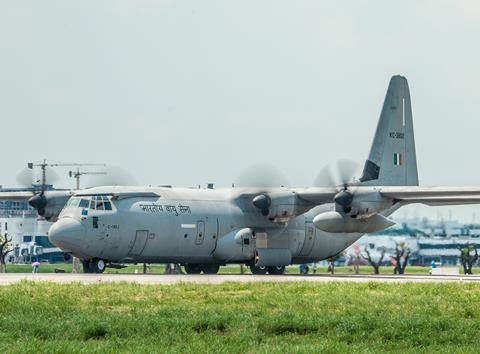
column 266, row 228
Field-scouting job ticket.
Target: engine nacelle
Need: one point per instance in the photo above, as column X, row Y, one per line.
column 368, row 202
column 336, row 222
column 50, row 203
column 280, row 206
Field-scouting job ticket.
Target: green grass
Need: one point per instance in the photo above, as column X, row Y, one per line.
column 230, row 269
column 239, row 318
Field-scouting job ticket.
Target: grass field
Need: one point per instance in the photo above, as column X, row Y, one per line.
column 239, row 318
column 231, row 269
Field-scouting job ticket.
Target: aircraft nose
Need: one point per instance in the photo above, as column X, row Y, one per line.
column 66, row 234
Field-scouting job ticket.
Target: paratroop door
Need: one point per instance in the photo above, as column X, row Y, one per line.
column 309, row 239
column 141, row 237
column 200, row 232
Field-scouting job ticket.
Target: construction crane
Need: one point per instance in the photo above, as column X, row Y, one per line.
column 76, row 174
column 44, row 164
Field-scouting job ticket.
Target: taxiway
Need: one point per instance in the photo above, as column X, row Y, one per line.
column 12, row 278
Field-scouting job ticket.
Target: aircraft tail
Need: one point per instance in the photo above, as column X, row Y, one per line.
column 392, row 160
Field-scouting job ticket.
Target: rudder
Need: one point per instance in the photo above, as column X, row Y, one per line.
column 392, row 160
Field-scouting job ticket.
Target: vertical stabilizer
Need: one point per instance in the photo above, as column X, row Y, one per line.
column 392, row 160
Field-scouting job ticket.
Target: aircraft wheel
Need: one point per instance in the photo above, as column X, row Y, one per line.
column 97, row 265
column 86, row 267
column 192, row 268
column 258, row 270
column 277, row 270
column 210, row 268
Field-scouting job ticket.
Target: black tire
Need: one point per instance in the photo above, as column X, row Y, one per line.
column 86, row 267
column 97, row 265
column 276, row 270
column 192, row 268
column 258, row 270
column 210, row 268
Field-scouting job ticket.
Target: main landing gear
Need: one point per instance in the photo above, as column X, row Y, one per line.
column 199, row 268
column 275, row 270
column 94, row 266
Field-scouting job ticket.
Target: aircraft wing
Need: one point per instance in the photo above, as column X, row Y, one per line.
column 317, row 195
column 407, row 195
column 15, row 195
column 434, row 196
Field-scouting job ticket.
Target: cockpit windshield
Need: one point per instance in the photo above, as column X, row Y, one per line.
column 100, row 202
column 95, row 202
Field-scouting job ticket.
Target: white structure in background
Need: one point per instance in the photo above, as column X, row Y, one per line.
column 428, row 241
column 29, row 233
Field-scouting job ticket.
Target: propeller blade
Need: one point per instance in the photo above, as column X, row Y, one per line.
column 25, row 178
column 262, row 176
column 346, row 171
column 51, row 177
column 324, row 178
column 116, row 176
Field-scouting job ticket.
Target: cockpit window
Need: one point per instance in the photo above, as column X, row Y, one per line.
column 100, row 205
column 73, row 202
column 83, row 203
column 100, row 202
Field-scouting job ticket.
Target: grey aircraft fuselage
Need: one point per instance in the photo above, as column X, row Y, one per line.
column 187, row 226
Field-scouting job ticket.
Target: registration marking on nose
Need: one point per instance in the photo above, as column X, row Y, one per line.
column 189, row 226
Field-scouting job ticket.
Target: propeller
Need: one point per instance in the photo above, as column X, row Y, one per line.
column 261, row 178
column 115, row 176
column 344, row 178
column 39, row 202
column 262, row 202
column 27, row 177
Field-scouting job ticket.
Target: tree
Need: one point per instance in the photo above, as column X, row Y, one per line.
column 402, row 254
column 375, row 265
column 467, row 258
column 5, row 248
column 356, row 258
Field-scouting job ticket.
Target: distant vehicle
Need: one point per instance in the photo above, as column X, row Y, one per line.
column 265, row 228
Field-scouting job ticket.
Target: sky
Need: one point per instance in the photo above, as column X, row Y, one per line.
column 192, row 92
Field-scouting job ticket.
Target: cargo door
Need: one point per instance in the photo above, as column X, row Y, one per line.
column 309, row 239
column 139, row 242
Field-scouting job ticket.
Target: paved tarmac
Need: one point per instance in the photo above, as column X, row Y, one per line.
column 12, row 278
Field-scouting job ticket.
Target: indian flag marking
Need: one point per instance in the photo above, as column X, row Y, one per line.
column 397, row 159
